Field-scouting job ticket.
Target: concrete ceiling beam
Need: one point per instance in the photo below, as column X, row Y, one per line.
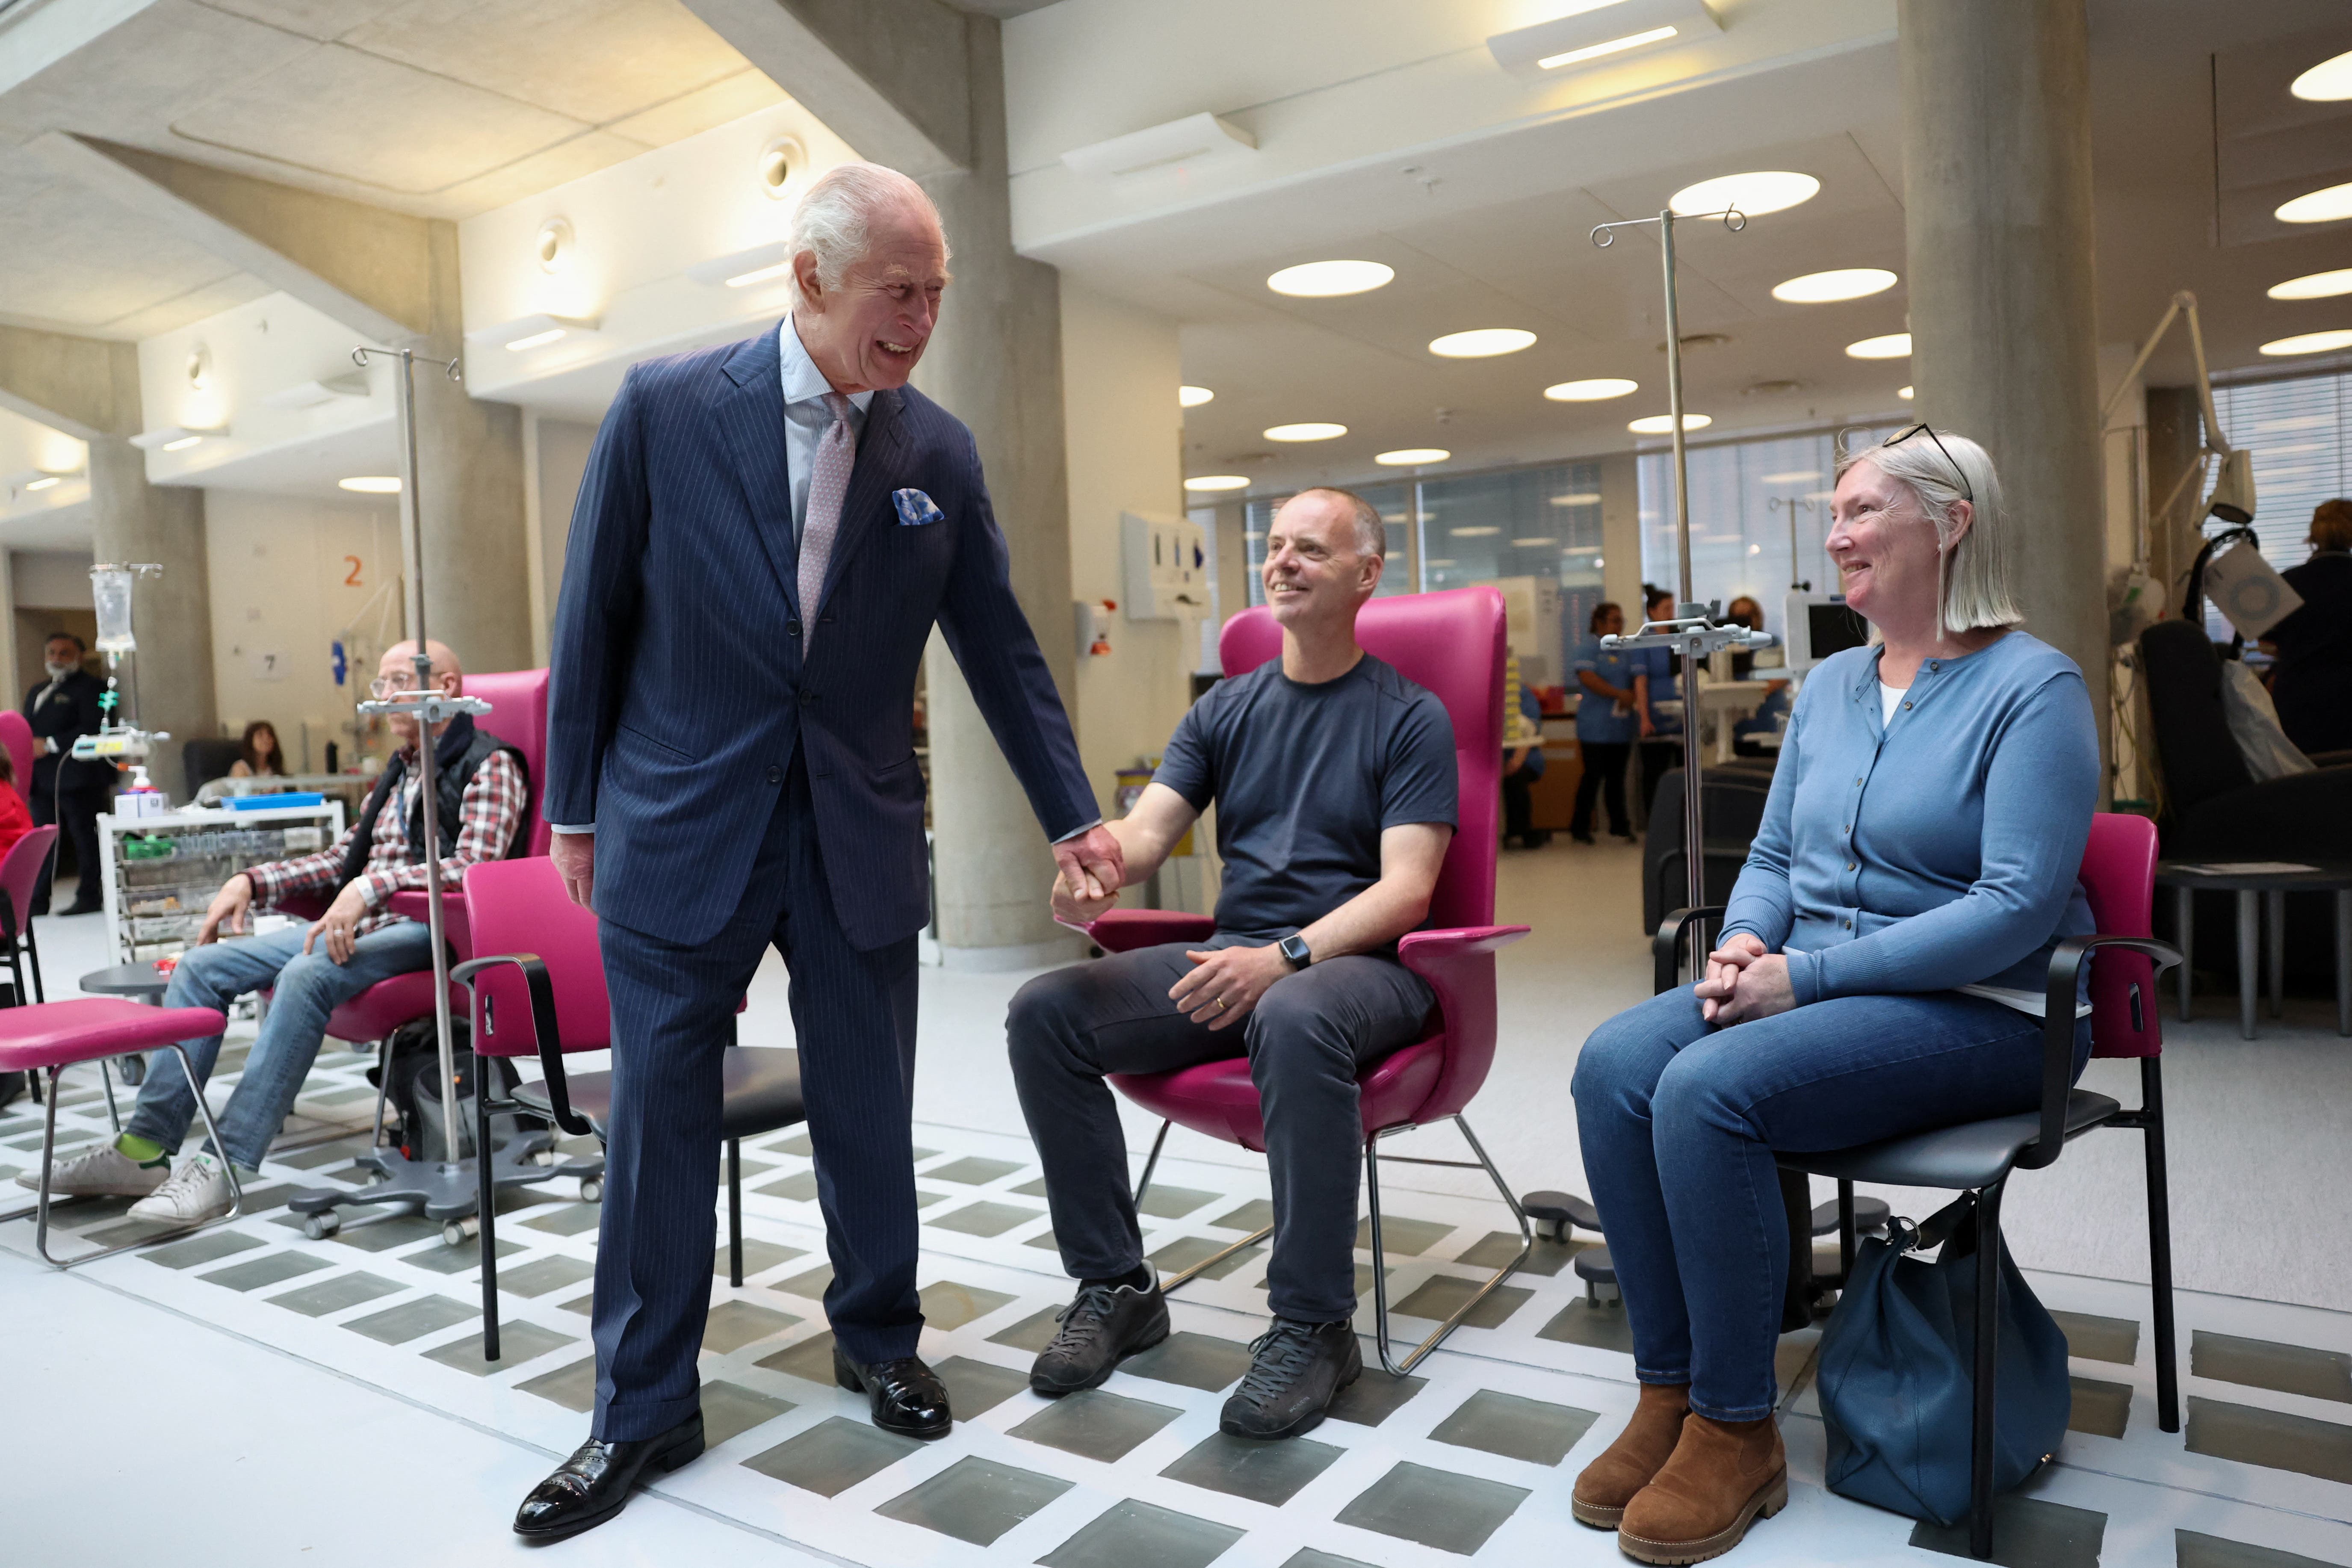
column 366, row 268
column 85, row 387
column 891, row 77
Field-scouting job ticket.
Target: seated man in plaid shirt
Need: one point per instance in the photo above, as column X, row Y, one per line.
column 483, row 800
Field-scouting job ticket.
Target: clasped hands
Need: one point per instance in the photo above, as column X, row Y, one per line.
column 1225, row 983
column 1743, row 981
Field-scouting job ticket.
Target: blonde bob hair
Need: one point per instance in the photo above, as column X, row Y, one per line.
column 1975, row 577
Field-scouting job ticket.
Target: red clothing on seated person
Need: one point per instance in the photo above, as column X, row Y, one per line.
column 16, row 821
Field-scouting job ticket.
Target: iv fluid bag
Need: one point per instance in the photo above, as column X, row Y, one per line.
column 111, row 590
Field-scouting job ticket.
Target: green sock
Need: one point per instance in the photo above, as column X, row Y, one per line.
column 138, row 1150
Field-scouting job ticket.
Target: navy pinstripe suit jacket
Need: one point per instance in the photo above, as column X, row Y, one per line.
column 678, row 690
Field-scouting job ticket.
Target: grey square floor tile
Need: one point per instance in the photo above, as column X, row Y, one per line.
column 811, row 1360
column 383, row 1235
column 316, row 1300
column 1138, row 1535
column 2269, row 1437
column 519, row 1340
column 1581, row 1323
column 2093, row 1338
column 799, row 1187
column 573, row 1387
column 1546, row 1257
column 949, row 1305
column 1195, row 1361
column 1515, row 1428
column 2265, row 1364
column 569, row 1220
column 1186, row 1250
column 971, row 1170
column 974, row 1500
column 1251, row 1217
column 542, row 1275
column 272, row 1268
column 759, row 1257
column 1437, row 1508
column 797, row 1143
column 832, row 1456
column 1044, row 1241
column 809, row 1286
column 976, row 1387
column 2027, row 1533
column 1164, row 1201
column 983, row 1218
column 1036, row 1189
column 585, row 1305
column 209, row 1248
column 1307, row 1557
column 734, row 1324
column 2101, row 1409
column 730, row 1410
column 1442, row 1295
column 130, row 1232
column 1095, row 1425
column 461, row 1260
column 88, row 1214
column 1400, row 1236
column 1376, row 1396
column 2192, row 1549
column 1270, row 1473
column 1032, row 1333
column 411, row 1319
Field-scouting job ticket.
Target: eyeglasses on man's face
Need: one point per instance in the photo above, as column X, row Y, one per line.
column 390, row 686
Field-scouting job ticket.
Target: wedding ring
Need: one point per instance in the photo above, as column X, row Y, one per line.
column 1221, row 1003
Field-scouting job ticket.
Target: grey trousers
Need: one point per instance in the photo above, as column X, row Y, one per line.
column 1310, row 1036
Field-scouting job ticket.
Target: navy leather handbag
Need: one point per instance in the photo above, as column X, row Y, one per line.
column 1895, row 1390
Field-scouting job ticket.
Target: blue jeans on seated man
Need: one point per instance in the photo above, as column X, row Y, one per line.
column 309, row 986
column 1679, row 1119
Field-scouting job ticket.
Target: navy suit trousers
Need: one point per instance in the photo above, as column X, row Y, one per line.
column 673, row 1014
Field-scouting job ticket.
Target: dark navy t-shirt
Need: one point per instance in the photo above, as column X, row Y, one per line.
column 1305, row 778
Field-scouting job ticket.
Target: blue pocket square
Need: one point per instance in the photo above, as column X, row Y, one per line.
column 916, row 509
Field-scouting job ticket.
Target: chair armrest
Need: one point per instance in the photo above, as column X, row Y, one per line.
column 1666, row 948
column 1454, row 962
column 543, row 1033
column 2058, row 1031
column 455, row 928
column 1124, row 931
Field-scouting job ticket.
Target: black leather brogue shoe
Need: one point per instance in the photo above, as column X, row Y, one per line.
column 595, row 1483
column 1103, row 1326
column 907, row 1397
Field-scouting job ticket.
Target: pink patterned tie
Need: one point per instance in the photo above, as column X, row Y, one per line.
column 837, row 453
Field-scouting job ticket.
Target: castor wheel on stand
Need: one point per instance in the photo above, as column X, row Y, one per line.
column 1559, row 1211
column 1599, row 1276
column 131, row 1069
column 322, row 1224
column 1870, row 1217
column 592, row 1189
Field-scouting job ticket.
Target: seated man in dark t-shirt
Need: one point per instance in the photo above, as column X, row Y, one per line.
column 1334, row 781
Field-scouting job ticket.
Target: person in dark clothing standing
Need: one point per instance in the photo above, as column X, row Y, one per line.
column 1656, row 680
column 68, row 793
column 2312, row 685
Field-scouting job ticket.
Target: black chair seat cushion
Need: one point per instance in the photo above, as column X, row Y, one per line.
column 1973, row 1154
column 762, row 1093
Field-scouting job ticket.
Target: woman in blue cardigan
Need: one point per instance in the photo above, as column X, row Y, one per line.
column 1879, row 973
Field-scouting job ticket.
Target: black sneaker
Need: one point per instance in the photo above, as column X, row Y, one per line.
column 1104, row 1324
column 1295, row 1371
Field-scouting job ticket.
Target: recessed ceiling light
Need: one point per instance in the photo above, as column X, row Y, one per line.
column 1217, row 482
column 1892, row 345
column 1592, row 391
column 1412, row 456
column 2309, row 343
column 1794, row 476
column 2315, row 286
column 182, row 444
column 1765, row 190
column 1325, row 280
column 1482, row 343
column 1904, row 393
column 175, row 437
column 1843, row 283
column 1613, row 46
column 2318, row 206
column 1663, row 423
column 372, row 484
column 1601, row 30
column 1480, row 532
column 1533, row 543
column 1309, row 430
column 47, row 481
column 1578, row 498
column 527, row 333
column 2325, row 82
column 1193, row 396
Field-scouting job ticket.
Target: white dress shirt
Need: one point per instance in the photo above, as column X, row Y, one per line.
column 806, row 416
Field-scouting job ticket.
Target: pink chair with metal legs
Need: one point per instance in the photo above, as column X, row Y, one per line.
column 1451, row 643
column 49, row 1037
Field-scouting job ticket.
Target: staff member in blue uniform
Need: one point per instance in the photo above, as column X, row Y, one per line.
column 1604, row 724
column 1657, row 678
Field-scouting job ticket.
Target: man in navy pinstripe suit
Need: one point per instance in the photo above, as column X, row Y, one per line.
column 764, row 537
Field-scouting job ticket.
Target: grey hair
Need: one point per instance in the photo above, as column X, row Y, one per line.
column 1371, row 533
column 1975, row 578
column 835, row 219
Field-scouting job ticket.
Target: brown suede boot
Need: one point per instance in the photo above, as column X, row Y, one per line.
column 1641, row 1450
column 1723, row 1474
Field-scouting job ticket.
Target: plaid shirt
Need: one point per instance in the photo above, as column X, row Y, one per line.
column 486, row 818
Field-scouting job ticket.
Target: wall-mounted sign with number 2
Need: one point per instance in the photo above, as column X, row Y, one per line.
column 352, row 578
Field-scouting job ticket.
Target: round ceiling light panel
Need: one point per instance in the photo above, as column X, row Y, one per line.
column 1309, row 430
column 1663, row 423
column 2313, row 286
column 1484, row 343
column 1193, row 396
column 2309, row 343
column 779, row 159
column 1894, row 345
column 2318, row 206
column 1328, row 280
column 1217, row 482
column 1764, row 191
column 1412, row 456
column 2329, row 82
column 1593, row 391
column 372, row 484
column 1826, row 287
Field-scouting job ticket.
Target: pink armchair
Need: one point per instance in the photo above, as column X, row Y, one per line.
column 1451, row 643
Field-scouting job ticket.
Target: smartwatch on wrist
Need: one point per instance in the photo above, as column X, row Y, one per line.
column 1295, row 951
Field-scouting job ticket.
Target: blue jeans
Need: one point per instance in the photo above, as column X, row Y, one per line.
column 1679, row 1120
column 309, row 986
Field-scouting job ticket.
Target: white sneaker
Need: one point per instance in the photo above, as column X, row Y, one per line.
column 197, row 1191
column 103, row 1172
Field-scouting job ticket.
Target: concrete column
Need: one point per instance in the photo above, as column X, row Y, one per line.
column 132, row 521
column 1997, row 187
column 995, row 364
